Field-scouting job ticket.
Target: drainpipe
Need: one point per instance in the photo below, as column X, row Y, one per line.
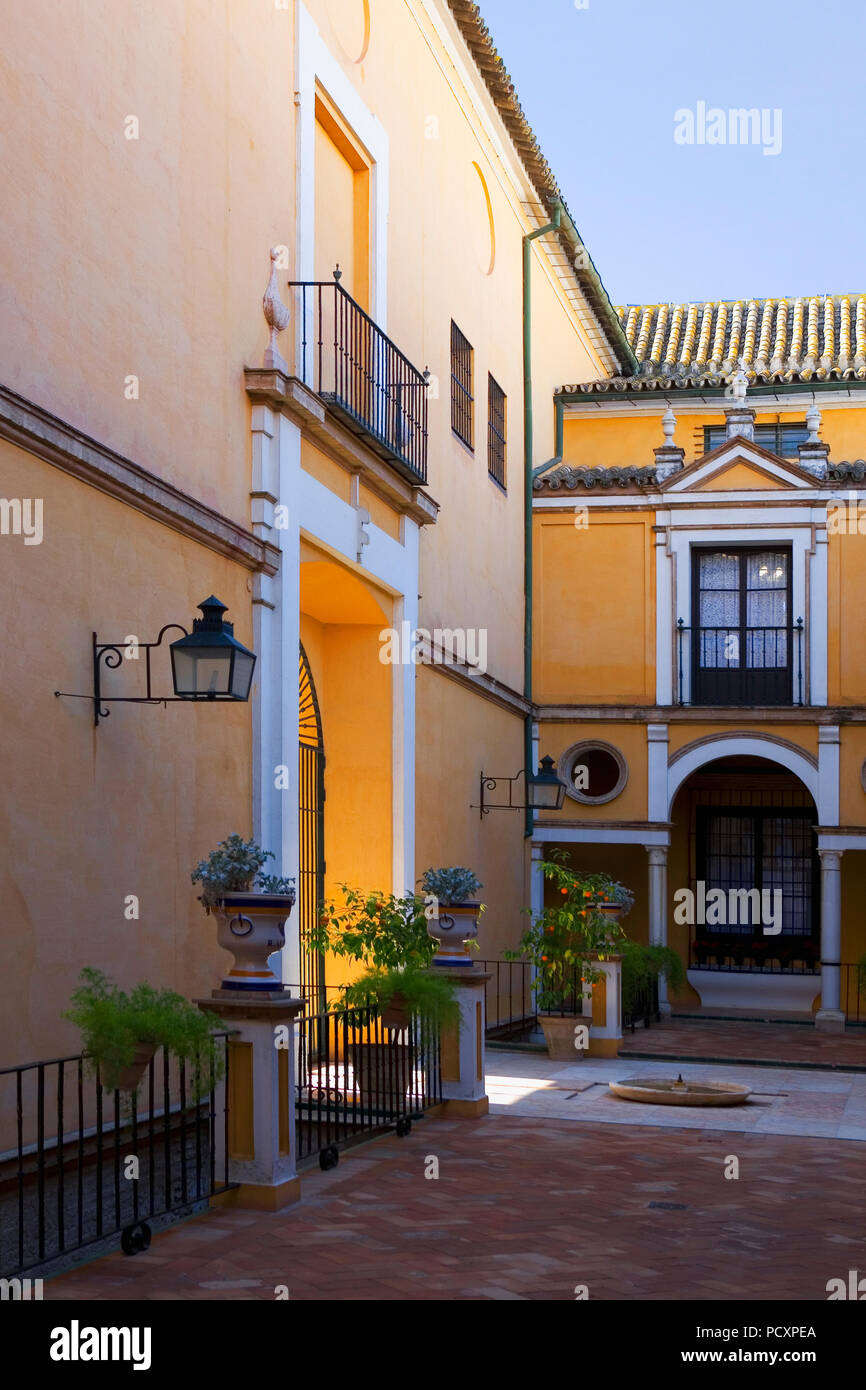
column 552, row 226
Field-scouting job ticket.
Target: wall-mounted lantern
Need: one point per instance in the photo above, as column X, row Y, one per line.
column 544, row 790
column 208, row 663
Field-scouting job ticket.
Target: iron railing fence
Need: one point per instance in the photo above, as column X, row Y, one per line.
column 786, row 954
column 512, row 1001
column 355, row 1077
column 640, row 1004
column 67, row 1145
column 734, row 666
column 344, row 356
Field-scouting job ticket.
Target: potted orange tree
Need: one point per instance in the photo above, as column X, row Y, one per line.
column 580, row 925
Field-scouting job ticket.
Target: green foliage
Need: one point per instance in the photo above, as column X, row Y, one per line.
column 567, row 932
column 428, row 996
column 113, row 1024
column 643, row 965
column 376, row 929
column 235, row 867
column 455, row 885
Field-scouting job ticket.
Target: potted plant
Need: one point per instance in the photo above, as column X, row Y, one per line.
column 454, row 889
column 251, row 908
column 120, row 1032
column 561, row 943
column 387, row 934
column 642, row 967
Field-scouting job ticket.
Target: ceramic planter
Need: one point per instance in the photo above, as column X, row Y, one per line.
column 252, row 927
column 128, row 1077
column 558, row 1030
column 613, row 911
column 456, row 924
column 382, row 1073
column 396, row 1016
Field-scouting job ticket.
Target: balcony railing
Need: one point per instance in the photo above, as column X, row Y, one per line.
column 728, row 666
column 361, row 375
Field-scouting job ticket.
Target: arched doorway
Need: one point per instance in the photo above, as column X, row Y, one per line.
column 744, row 849
column 311, row 832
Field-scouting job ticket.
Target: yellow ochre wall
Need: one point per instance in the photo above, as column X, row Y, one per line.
column 145, row 257
column 605, row 439
column 89, row 817
column 594, row 596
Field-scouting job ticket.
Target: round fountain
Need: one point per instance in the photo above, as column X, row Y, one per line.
column 660, row 1090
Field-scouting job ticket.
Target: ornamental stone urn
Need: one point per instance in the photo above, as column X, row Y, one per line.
column 252, row 927
column 455, row 926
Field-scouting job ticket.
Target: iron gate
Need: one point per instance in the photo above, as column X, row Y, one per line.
column 311, row 833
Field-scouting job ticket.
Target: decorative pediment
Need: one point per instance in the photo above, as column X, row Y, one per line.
column 740, row 465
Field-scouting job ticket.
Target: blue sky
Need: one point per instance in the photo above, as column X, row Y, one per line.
column 665, row 221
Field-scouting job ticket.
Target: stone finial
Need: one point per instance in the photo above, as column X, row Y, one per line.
column 668, row 458
column 813, row 452
column 738, row 386
column 739, row 417
column 277, row 317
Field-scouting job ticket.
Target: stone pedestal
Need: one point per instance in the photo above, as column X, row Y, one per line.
column 260, row 1092
column 463, row 1085
column 605, row 1037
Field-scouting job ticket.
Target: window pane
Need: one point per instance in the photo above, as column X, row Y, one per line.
column 716, row 570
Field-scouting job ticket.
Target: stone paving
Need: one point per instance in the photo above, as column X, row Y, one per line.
column 787, row 1043
column 532, row 1202
column 819, row 1104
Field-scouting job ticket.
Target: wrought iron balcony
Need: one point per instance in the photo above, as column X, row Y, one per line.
column 362, row 377
column 732, row 666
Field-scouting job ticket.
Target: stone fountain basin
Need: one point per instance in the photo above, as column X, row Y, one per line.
column 660, row 1090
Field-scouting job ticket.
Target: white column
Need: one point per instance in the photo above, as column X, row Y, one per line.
column 536, row 880
column 658, row 903
column 830, row 1018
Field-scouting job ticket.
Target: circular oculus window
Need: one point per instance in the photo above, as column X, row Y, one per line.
column 593, row 772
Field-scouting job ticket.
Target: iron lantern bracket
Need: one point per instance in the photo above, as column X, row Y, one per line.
column 111, row 655
column 488, row 783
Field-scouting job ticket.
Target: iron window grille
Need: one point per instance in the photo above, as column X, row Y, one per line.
column 462, row 399
column 497, row 429
column 742, row 636
column 784, row 438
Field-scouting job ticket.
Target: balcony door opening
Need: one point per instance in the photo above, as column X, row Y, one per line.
column 742, row 635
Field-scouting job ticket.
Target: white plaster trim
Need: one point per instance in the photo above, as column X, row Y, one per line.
column 799, row 538
column 842, row 841
column 752, row 503
column 665, row 621
column 657, row 771
column 736, row 450
column 689, row 760
column 715, row 404
column 589, row 834
column 333, row 523
column 404, row 683
column 828, row 774
column 315, row 63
